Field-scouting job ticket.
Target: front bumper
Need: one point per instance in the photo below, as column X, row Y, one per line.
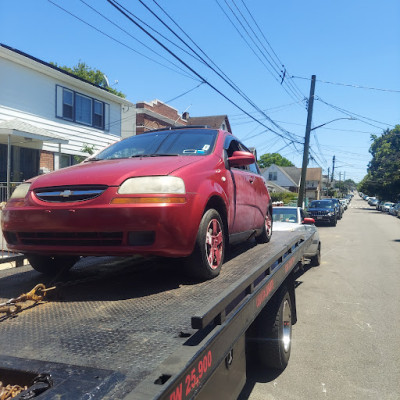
column 102, row 229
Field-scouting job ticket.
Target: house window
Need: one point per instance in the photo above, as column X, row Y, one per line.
column 68, row 104
column 98, row 114
column 74, row 106
column 272, row 176
column 83, row 109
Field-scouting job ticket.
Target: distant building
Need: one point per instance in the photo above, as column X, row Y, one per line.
column 289, row 178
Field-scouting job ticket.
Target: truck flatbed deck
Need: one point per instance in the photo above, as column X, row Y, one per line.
column 131, row 328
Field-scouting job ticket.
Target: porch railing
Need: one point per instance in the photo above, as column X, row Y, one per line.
column 3, row 190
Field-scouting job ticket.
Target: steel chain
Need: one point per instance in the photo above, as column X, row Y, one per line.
column 10, row 391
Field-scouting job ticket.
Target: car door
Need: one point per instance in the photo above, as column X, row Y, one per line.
column 243, row 180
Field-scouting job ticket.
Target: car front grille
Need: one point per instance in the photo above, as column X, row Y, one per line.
column 69, row 194
column 319, row 212
column 70, row 238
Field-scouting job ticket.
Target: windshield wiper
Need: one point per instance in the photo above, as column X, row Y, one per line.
column 92, row 159
column 153, row 155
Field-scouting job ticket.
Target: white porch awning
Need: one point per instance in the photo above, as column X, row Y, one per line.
column 23, row 134
column 16, row 129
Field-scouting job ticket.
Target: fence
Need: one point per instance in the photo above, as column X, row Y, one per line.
column 7, row 255
column 3, row 190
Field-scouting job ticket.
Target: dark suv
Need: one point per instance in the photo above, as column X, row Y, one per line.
column 324, row 211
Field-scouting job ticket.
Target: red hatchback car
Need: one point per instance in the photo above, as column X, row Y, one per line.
column 176, row 193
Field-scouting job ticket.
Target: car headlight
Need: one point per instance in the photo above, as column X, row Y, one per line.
column 331, row 214
column 21, row 191
column 153, row 185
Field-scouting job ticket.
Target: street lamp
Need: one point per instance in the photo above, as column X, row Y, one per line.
column 302, row 188
column 336, row 119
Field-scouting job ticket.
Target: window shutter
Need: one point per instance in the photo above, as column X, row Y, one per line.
column 106, row 117
column 59, row 101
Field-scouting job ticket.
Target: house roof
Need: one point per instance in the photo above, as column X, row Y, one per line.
column 21, row 57
column 293, row 173
column 213, row 121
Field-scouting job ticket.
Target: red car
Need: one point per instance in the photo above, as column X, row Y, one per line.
column 176, row 193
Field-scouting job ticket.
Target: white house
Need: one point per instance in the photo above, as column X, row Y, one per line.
column 47, row 116
column 289, row 178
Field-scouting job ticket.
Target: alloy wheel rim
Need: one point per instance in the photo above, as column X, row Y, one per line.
column 214, row 243
column 287, row 326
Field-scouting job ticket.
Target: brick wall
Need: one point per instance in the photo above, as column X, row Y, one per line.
column 46, row 161
column 145, row 122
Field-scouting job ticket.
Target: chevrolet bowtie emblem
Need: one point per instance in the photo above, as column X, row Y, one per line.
column 66, row 193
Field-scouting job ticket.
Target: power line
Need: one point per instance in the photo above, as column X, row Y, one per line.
column 275, row 72
column 350, row 85
column 188, row 91
column 184, row 73
column 273, row 51
column 125, row 12
column 349, row 113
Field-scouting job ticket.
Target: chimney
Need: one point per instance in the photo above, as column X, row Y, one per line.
column 185, row 115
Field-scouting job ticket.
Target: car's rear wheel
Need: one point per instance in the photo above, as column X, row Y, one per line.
column 51, row 265
column 208, row 255
column 316, row 260
column 266, row 233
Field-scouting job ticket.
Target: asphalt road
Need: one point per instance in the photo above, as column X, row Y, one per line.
column 346, row 343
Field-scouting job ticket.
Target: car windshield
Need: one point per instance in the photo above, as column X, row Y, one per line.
column 284, row 215
column 321, row 204
column 191, row 142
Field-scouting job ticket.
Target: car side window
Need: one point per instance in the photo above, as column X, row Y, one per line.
column 233, row 145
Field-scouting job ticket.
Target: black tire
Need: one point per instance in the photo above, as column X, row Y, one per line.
column 208, row 255
column 334, row 222
column 266, row 233
column 51, row 265
column 274, row 332
column 316, row 260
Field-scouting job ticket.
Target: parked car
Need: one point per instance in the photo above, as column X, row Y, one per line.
column 394, row 209
column 371, row 200
column 339, row 208
column 380, row 204
column 323, row 211
column 296, row 219
column 174, row 193
column 386, row 206
column 344, row 204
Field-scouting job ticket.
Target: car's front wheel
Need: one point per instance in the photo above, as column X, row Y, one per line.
column 51, row 265
column 266, row 233
column 208, row 255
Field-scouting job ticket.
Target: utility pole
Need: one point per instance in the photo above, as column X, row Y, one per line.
column 306, row 144
column 333, row 167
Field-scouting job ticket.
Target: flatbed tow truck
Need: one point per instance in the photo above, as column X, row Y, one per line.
column 138, row 329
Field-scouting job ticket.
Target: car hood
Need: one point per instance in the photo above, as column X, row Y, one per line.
column 113, row 172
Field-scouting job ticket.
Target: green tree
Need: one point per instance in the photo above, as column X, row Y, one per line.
column 383, row 178
column 82, row 70
column 273, row 158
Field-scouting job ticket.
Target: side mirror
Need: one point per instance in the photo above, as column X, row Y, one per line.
column 308, row 221
column 240, row 158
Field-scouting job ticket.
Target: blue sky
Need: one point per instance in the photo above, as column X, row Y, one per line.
column 353, row 48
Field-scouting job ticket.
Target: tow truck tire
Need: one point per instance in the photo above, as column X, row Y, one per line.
column 51, row 265
column 266, row 233
column 316, row 260
column 208, row 255
column 275, row 330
